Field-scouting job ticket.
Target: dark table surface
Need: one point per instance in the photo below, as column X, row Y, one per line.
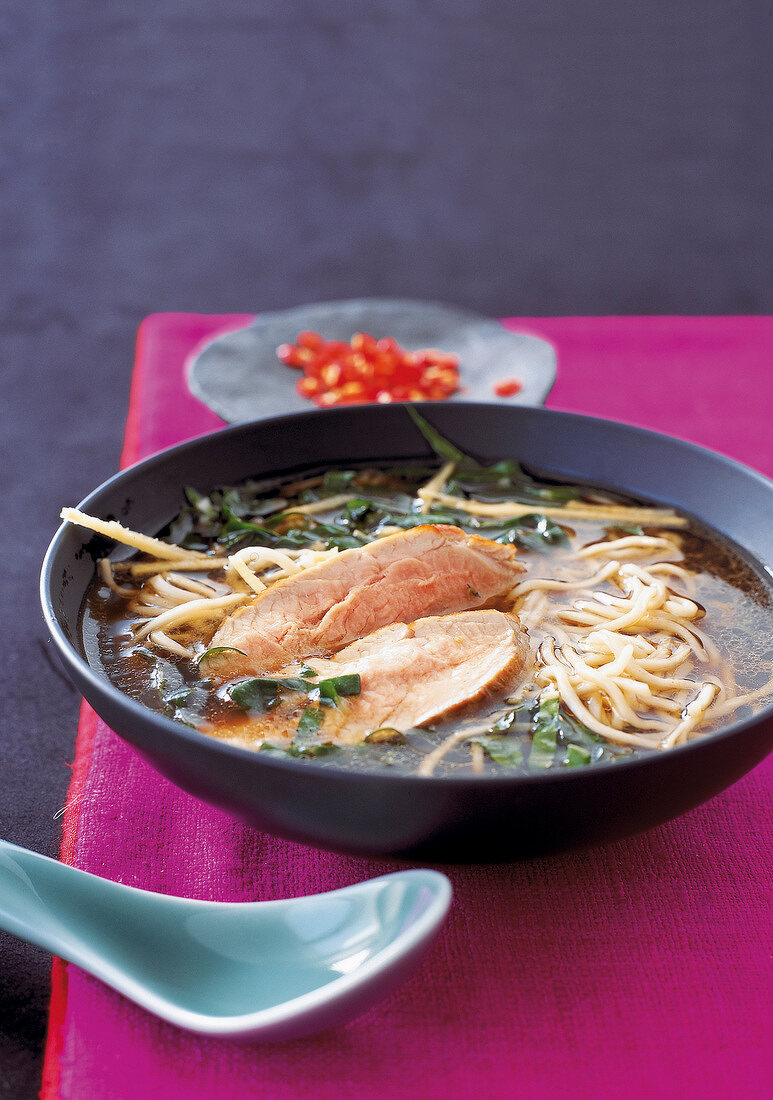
column 514, row 158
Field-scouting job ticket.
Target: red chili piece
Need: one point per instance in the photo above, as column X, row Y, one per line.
column 366, row 370
column 508, row 387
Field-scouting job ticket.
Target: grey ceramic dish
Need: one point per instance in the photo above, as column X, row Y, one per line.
column 240, row 378
column 459, row 817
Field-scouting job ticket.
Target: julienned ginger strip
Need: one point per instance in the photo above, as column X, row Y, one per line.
column 112, row 529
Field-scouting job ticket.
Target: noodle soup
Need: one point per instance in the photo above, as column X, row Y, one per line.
column 641, row 633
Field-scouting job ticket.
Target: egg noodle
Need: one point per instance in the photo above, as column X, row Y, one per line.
column 614, row 628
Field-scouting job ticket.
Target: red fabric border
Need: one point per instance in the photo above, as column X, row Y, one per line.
column 84, row 740
column 58, row 1004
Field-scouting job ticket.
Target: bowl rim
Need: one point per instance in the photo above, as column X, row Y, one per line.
column 70, row 654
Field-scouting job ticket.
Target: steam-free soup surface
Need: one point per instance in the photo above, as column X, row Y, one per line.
column 622, row 630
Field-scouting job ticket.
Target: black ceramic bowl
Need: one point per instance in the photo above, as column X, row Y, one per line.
column 455, row 818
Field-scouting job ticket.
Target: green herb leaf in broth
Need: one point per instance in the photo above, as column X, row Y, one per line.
column 413, row 472
column 189, row 703
column 175, row 695
column 314, row 748
column 265, row 507
column 203, row 506
column 217, row 650
column 577, row 756
column 197, row 499
column 532, row 532
column 255, row 695
column 329, row 691
column 325, row 693
column 544, row 733
column 509, row 481
column 181, row 532
column 295, row 538
column 573, row 731
column 307, row 741
column 561, row 739
column 292, row 683
column 261, row 693
column 356, row 510
column 456, row 517
column 178, row 697
column 511, row 719
column 233, row 523
column 334, row 535
column 215, row 516
column 391, row 504
column 309, row 724
column 347, row 684
column 503, row 480
column 441, row 446
column 274, row 750
column 574, row 735
column 507, row 751
column 338, row 481
column 248, row 500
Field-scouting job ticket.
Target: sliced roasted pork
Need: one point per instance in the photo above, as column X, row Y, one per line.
column 429, row 570
column 410, row 675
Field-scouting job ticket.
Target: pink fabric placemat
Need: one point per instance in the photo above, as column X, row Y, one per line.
column 641, row 968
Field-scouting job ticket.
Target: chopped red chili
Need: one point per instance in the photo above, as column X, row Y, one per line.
column 366, row 369
column 508, row 387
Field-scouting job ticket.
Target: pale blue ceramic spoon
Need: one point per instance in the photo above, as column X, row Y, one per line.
column 268, row 970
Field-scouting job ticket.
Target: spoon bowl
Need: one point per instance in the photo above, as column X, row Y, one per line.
column 268, row 970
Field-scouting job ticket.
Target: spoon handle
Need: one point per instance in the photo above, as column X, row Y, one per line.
column 35, row 894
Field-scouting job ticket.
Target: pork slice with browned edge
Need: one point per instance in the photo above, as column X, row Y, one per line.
column 428, row 570
column 411, row 674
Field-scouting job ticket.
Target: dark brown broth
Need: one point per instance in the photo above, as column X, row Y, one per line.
column 739, row 619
